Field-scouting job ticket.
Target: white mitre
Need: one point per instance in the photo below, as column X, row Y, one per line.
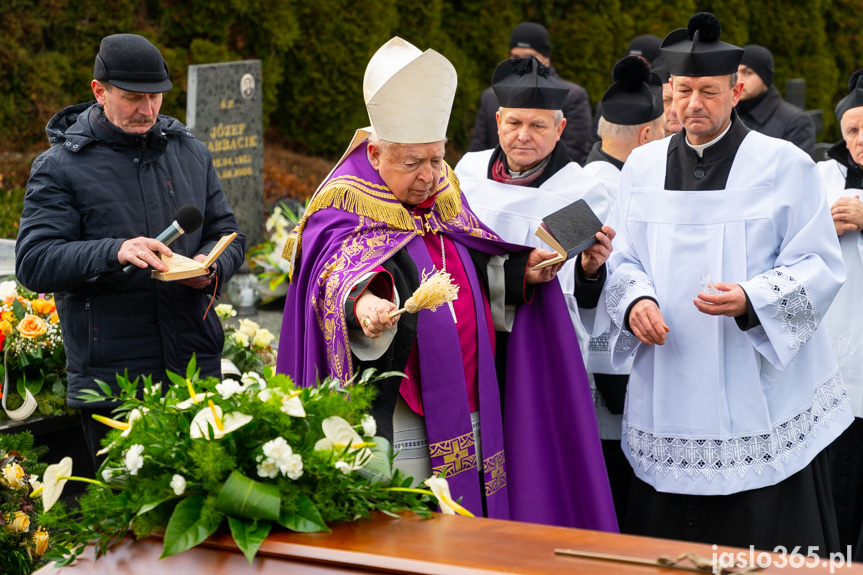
column 409, row 93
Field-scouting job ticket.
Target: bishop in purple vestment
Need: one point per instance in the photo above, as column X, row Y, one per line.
column 392, row 210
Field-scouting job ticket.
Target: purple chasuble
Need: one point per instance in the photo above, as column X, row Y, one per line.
column 544, row 455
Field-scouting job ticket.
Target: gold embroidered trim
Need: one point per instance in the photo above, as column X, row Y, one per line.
column 456, row 455
column 494, row 469
column 357, row 196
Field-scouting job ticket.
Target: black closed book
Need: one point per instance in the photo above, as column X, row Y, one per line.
column 570, row 230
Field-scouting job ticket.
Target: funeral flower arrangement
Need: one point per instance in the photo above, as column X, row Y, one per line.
column 34, row 359
column 23, row 541
column 247, row 345
column 253, row 455
column 266, row 258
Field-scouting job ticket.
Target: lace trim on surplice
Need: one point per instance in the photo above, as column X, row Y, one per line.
column 626, row 341
column 739, row 454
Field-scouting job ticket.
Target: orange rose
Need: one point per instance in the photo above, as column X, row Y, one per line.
column 32, row 326
column 40, row 542
column 54, row 318
column 38, row 304
column 5, row 327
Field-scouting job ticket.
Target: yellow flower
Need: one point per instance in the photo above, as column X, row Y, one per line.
column 263, row 338
column 8, row 316
column 32, row 326
column 54, row 318
column 5, row 327
column 12, row 476
column 20, row 523
column 248, row 327
column 40, row 542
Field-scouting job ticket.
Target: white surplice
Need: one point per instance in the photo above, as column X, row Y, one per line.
column 844, row 320
column 717, row 410
column 514, row 212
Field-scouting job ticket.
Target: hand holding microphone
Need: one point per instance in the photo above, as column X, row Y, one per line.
column 139, row 252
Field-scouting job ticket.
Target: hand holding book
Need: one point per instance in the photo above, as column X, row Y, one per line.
column 570, row 230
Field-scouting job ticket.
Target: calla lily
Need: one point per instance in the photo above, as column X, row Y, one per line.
column 206, row 419
column 338, row 435
column 134, row 416
column 52, row 485
column 111, row 422
column 191, row 402
column 292, row 405
column 440, row 488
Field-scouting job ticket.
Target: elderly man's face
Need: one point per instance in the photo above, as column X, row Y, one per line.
column 132, row 112
column 411, row 171
column 704, row 105
column 753, row 85
column 672, row 124
column 527, row 135
column 852, row 131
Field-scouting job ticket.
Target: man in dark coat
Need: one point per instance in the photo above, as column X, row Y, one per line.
column 762, row 108
column 531, row 39
column 115, row 175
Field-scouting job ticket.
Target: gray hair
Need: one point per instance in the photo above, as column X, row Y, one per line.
column 558, row 115
column 385, row 146
column 606, row 129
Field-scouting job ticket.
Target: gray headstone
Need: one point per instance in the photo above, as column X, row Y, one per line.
column 224, row 111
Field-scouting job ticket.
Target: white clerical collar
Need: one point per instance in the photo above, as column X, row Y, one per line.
column 699, row 149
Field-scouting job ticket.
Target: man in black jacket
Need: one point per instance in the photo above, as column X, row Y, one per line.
column 762, row 108
column 532, row 39
column 115, row 175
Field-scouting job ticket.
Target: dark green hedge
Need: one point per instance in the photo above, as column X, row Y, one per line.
column 314, row 53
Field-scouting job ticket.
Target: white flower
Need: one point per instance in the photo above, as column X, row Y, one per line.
column 248, row 327
column 205, row 420
column 134, row 415
column 225, row 310
column 265, row 394
column 228, row 388
column 52, row 485
column 178, row 484
column 292, row 405
column 107, row 475
column 268, row 468
column 293, row 467
column 134, row 459
column 343, row 467
column 8, row 289
column 339, row 435
column 277, row 449
column 263, row 338
column 241, row 338
column 252, row 378
column 370, row 426
column 199, row 397
column 440, row 488
column 34, row 482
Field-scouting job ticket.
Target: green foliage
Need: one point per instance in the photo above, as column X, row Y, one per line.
column 257, row 453
column 314, row 54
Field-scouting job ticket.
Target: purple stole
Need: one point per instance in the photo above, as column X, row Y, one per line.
column 543, row 460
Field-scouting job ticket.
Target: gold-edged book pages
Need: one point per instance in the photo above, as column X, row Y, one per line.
column 181, row 267
column 543, row 234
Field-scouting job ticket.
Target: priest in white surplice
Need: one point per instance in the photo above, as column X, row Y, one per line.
column 633, row 114
column 529, row 175
column 843, row 182
column 735, row 394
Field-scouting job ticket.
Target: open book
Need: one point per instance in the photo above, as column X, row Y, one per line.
column 181, row 267
column 569, row 231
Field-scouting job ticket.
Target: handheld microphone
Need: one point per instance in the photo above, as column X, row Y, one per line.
column 187, row 220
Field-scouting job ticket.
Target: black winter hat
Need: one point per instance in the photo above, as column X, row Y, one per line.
column 635, row 97
column 130, row 62
column 854, row 99
column 759, row 59
column 697, row 50
column 526, row 83
column 531, row 35
column 646, row 46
